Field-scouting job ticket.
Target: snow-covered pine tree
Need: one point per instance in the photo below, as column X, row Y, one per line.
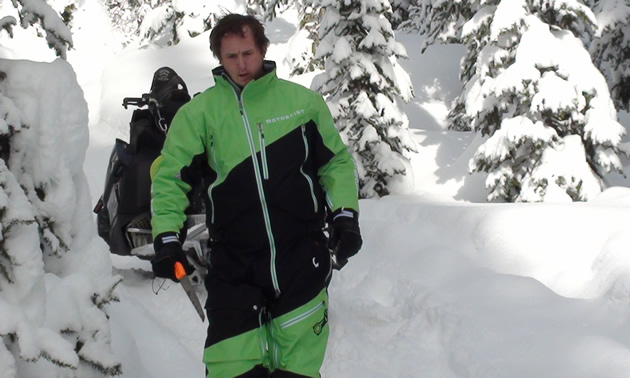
column 126, row 18
column 440, row 21
column 611, row 48
column 40, row 15
column 302, row 47
column 55, row 278
column 162, row 22
column 400, row 12
column 269, row 9
column 533, row 92
column 363, row 85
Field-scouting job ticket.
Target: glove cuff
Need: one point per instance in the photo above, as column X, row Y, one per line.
column 344, row 213
column 166, row 238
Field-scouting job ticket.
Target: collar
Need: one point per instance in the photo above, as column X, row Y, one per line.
column 269, row 72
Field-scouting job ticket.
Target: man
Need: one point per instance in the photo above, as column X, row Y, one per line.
column 278, row 169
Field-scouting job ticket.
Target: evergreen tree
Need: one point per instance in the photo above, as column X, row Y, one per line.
column 305, row 42
column 532, row 91
column 52, row 315
column 48, row 23
column 611, row 48
column 440, row 21
column 51, row 304
column 126, row 17
column 162, row 22
column 363, row 85
column 400, row 12
column 269, row 9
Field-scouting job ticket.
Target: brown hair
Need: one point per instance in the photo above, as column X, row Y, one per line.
column 237, row 24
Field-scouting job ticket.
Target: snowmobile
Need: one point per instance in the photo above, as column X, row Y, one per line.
column 123, row 212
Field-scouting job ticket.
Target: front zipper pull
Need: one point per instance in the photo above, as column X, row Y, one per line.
column 260, row 130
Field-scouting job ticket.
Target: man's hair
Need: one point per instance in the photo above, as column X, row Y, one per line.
column 237, row 24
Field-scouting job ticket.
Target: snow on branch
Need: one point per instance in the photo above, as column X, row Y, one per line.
column 33, row 12
column 54, row 278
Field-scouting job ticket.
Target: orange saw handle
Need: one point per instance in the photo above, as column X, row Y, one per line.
column 180, row 272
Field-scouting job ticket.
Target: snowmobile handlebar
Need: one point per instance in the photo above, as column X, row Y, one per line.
column 159, row 96
column 146, row 99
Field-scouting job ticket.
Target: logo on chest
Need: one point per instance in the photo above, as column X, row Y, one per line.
column 285, row 117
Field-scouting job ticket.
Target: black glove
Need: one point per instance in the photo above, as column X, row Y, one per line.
column 345, row 236
column 168, row 251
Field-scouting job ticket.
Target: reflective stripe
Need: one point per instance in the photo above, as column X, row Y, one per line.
column 170, row 239
column 308, row 179
column 211, row 187
column 301, row 317
column 343, row 214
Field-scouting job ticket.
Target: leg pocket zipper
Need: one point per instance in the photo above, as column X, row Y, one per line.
column 303, row 316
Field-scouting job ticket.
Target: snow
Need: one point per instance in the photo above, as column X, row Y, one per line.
column 446, row 285
column 552, row 73
column 613, row 11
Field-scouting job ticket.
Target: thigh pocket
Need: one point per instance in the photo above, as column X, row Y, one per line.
column 299, row 338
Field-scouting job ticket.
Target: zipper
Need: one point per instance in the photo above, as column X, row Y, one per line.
column 301, row 317
column 330, row 269
column 263, row 339
column 275, row 360
column 211, row 186
column 308, row 179
column 261, row 192
column 263, row 154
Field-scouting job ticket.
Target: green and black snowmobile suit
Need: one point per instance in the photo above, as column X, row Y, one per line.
column 277, row 163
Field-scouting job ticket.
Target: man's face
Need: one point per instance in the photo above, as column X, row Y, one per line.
column 241, row 58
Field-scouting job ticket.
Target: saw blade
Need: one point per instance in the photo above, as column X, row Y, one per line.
column 190, row 291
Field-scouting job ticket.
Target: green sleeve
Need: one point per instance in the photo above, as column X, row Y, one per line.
column 169, row 198
column 337, row 175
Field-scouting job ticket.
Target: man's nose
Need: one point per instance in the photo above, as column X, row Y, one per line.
column 240, row 62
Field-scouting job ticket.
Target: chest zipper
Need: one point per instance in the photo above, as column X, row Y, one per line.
column 263, row 154
column 261, row 194
column 211, row 186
